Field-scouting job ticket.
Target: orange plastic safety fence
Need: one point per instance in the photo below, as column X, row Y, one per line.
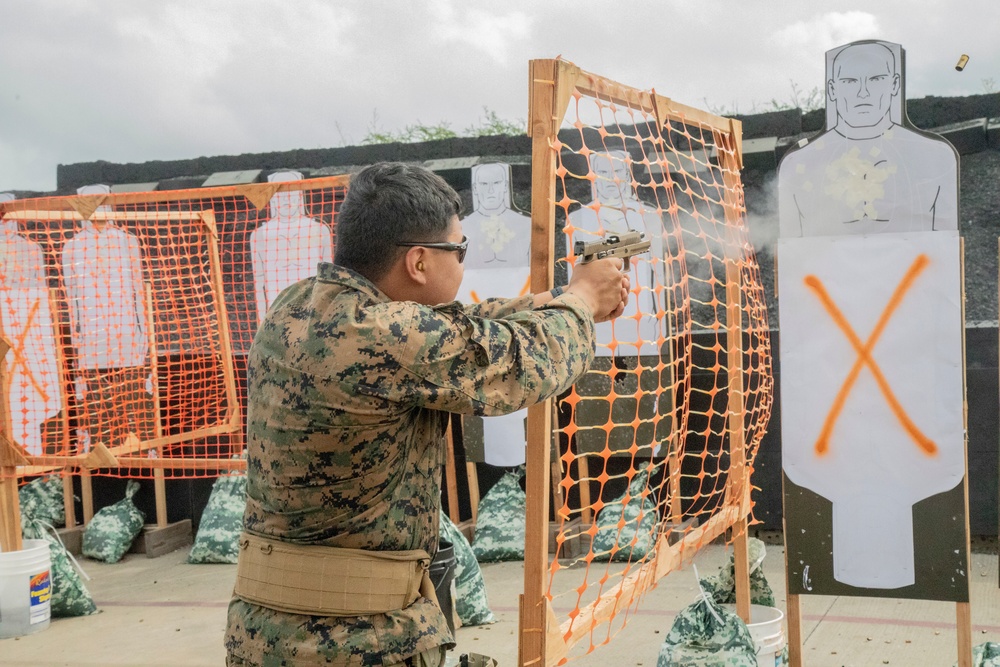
column 129, row 317
column 658, row 438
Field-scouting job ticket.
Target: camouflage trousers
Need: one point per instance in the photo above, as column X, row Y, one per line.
column 432, row 658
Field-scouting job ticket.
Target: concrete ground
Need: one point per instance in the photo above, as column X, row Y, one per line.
column 161, row 611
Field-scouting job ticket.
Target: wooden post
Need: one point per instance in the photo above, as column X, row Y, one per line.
column 86, row 496
column 68, row 505
column 583, row 473
column 159, row 482
column 473, row 480
column 225, row 342
column 544, row 118
column 738, row 485
column 451, row 478
column 794, row 618
column 10, row 508
column 963, row 610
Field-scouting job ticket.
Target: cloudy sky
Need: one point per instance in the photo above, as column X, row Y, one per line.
column 138, row 80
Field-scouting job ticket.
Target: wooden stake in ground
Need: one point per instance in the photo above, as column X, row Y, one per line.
column 10, row 508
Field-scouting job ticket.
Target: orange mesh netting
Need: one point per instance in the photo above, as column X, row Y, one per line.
column 122, row 357
column 657, row 440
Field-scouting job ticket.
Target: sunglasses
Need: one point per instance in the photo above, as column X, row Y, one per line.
column 460, row 248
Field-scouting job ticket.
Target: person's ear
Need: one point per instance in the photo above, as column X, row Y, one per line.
column 415, row 264
column 830, row 93
column 895, row 84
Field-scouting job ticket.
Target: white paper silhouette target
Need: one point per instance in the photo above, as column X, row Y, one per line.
column 616, row 208
column 871, row 365
column 498, row 264
column 26, row 324
column 288, row 247
column 868, row 173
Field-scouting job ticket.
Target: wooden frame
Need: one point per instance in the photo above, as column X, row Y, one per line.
column 543, row 641
column 123, row 455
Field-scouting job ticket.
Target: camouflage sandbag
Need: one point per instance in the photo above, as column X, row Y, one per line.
column 43, row 499
column 722, row 586
column 500, row 523
column 985, row 655
column 113, row 529
column 470, row 600
column 221, row 522
column 706, row 635
column 637, row 536
column 70, row 596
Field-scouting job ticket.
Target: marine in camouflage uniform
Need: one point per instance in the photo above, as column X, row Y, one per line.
column 349, row 395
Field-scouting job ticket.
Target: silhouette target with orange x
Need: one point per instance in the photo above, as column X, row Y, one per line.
column 864, row 351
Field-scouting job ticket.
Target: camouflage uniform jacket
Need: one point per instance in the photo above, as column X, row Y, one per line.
column 348, row 398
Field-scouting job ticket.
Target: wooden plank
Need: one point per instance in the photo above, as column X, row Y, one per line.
column 10, row 507
column 670, row 110
column 225, row 342
column 68, row 504
column 160, row 492
column 963, row 613
column 793, row 615
column 60, row 208
column 59, row 316
column 963, row 610
column 451, row 476
column 183, row 464
column 155, row 541
column 738, row 483
column 101, row 457
column 542, row 116
column 159, row 482
column 473, row 481
column 86, row 496
column 586, row 502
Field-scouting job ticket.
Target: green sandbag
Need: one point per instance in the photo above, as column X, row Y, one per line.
column 42, row 498
column 707, row 635
column 113, row 529
column 471, row 604
column 70, row 596
column 722, row 586
column 985, row 655
column 500, row 522
column 629, row 525
column 221, row 522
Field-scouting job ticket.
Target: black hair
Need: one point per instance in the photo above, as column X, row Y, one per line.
column 390, row 202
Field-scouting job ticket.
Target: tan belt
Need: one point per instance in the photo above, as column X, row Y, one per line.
column 327, row 581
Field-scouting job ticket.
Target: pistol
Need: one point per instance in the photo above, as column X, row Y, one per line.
column 622, row 246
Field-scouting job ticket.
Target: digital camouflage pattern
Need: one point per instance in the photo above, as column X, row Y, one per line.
column 42, row 510
column 626, row 527
column 707, row 635
column 470, row 600
column 70, row 596
column 113, row 529
column 218, row 535
column 348, row 399
column 43, row 499
column 722, row 586
column 985, row 655
column 500, row 522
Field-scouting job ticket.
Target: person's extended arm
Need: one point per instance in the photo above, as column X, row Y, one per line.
column 588, row 282
column 453, row 362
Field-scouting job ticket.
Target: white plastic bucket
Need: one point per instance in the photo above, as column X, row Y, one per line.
column 767, row 633
column 25, row 589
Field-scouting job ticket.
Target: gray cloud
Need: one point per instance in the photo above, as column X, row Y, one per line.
column 129, row 81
